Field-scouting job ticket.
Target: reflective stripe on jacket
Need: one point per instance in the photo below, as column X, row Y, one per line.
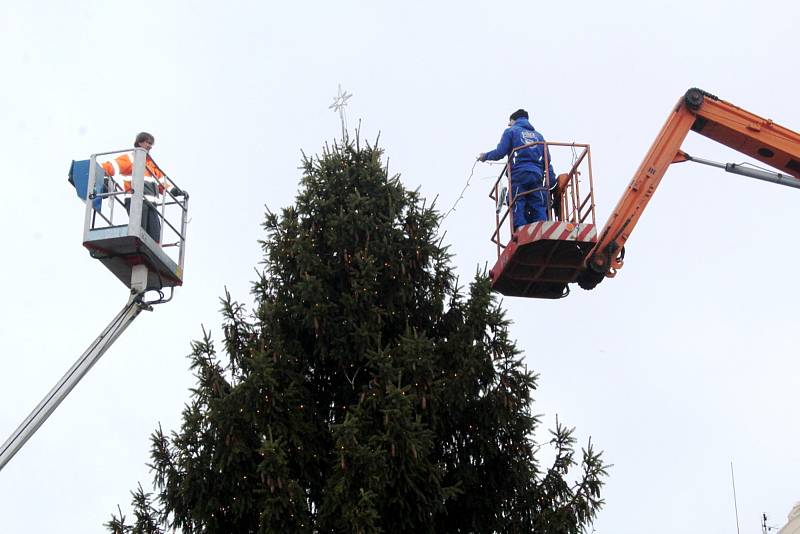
column 124, row 164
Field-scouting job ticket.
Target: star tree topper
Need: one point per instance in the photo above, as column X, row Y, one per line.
column 339, row 104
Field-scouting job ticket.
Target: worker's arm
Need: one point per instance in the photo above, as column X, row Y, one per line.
column 124, row 163
column 152, row 170
column 502, row 150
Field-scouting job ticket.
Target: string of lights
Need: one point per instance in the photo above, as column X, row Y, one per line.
column 466, row 186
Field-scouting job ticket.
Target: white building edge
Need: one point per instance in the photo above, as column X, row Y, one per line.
column 793, row 522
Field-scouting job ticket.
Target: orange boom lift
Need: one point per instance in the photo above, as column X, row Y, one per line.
column 542, row 258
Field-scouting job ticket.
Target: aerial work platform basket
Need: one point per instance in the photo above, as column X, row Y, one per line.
column 540, row 259
column 138, row 226
column 128, row 237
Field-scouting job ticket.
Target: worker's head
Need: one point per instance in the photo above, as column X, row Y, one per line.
column 144, row 140
column 519, row 114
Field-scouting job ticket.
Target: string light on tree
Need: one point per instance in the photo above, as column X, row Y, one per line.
column 396, row 362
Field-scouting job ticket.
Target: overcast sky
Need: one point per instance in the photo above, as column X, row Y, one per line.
column 684, row 363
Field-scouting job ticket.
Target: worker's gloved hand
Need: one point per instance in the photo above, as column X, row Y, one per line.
column 177, row 192
column 482, row 156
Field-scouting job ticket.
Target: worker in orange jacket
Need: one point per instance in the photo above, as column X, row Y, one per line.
column 123, row 165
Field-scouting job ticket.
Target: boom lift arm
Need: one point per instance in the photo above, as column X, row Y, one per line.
column 711, row 117
column 55, row 396
column 134, row 251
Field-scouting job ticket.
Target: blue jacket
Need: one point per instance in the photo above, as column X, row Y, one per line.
column 528, row 159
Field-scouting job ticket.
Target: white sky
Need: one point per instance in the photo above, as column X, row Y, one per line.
column 683, row 363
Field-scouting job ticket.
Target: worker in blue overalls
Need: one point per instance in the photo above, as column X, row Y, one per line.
column 529, row 191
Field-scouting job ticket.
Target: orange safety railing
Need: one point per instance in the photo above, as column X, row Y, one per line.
column 572, row 199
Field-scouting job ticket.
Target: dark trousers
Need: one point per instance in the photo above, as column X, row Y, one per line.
column 150, row 220
column 530, row 207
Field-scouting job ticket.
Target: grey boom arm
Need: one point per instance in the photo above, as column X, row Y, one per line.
column 78, row 370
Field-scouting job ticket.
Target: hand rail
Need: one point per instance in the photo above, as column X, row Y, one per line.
column 574, row 205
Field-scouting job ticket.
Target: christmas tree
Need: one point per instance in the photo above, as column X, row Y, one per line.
column 365, row 391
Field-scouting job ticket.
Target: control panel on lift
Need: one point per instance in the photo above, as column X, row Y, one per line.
column 137, row 220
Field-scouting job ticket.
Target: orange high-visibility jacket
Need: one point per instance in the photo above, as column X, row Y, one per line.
column 125, row 165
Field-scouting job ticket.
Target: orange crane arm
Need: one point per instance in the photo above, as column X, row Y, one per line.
column 711, row 117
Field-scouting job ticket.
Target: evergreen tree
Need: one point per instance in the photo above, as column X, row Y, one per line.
column 366, row 391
